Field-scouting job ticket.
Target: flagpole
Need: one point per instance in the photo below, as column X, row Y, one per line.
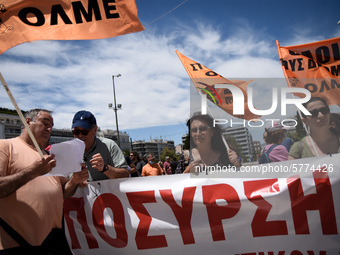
column 22, row 118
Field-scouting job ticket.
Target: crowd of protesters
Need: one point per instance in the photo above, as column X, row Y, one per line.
column 36, row 226
column 322, row 128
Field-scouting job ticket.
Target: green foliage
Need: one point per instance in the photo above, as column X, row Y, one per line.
column 126, row 152
column 170, row 153
column 299, row 132
column 186, row 145
column 9, row 111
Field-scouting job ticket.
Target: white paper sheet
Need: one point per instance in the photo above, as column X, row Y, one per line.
column 69, row 156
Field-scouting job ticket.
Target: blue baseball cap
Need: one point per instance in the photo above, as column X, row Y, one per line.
column 84, row 119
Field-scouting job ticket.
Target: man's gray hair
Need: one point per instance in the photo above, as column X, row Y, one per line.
column 32, row 114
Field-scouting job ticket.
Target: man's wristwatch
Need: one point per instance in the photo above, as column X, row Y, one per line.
column 106, row 167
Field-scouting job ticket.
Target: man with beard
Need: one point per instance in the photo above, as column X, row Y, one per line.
column 103, row 158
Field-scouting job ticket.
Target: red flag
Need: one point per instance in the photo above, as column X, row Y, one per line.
column 313, row 66
column 205, row 80
column 30, row 20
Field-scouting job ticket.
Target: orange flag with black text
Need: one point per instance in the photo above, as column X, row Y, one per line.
column 30, row 20
column 315, row 67
column 205, row 80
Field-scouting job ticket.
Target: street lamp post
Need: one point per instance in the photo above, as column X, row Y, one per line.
column 115, row 105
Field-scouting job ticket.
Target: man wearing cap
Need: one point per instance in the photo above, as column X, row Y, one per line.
column 103, row 158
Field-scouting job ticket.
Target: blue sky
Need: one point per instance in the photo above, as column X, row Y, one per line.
column 234, row 38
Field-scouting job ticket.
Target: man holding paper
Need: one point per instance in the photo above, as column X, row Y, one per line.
column 103, row 158
column 32, row 204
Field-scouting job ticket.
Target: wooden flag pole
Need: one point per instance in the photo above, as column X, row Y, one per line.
column 22, row 118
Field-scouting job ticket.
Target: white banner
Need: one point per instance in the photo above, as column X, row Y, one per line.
column 180, row 214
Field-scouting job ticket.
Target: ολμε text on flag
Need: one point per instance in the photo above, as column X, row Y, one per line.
column 30, row 20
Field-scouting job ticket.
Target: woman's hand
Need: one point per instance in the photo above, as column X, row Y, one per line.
column 233, row 158
column 194, row 167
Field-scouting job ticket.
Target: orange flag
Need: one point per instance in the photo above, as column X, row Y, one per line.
column 205, row 80
column 313, row 66
column 30, row 20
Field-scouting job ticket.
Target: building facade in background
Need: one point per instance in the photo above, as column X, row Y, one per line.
column 10, row 127
column 154, row 146
column 244, row 138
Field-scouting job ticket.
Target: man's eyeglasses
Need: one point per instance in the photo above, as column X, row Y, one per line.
column 81, row 131
column 202, row 129
column 323, row 110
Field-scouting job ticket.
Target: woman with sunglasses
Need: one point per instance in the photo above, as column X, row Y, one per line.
column 320, row 141
column 206, row 144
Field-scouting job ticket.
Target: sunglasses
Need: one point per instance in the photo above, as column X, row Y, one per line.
column 323, row 110
column 81, row 131
column 202, row 129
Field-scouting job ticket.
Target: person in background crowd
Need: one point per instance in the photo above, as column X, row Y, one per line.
column 273, row 136
column 31, row 203
column 131, row 166
column 183, row 162
column 138, row 163
column 207, row 146
column 322, row 140
column 287, row 141
column 173, row 165
column 152, row 168
column 335, row 123
column 160, row 163
column 103, row 158
column 240, row 160
column 145, row 159
column 166, row 165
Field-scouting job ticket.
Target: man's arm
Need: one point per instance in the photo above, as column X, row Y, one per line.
column 115, row 172
column 10, row 183
column 78, row 179
column 97, row 162
column 133, row 168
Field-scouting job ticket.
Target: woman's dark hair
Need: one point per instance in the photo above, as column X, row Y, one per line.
column 313, row 99
column 217, row 143
column 335, row 118
column 135, row 153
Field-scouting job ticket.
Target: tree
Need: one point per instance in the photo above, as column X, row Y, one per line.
column 126, row 152
column 186, row 145
column 170, row 153
column 299, row 132
column 9, row 111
